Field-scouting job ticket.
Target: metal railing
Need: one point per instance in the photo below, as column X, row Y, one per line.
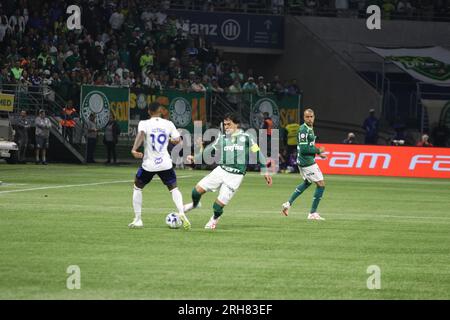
column 33, row 98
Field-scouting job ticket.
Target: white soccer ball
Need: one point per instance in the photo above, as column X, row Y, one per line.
column 173, row 221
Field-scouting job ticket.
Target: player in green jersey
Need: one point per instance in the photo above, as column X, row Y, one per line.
column 310, row 171
column 235, row 147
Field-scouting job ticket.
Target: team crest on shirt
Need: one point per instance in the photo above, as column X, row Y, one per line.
column 242, row 139
column 96, row 102
column 158, row 160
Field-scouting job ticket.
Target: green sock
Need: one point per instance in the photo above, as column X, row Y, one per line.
column 218, row 210
column 299, row 190
column 317, row 196
column 196, row 197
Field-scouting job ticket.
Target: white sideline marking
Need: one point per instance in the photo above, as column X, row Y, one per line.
column 76, row 185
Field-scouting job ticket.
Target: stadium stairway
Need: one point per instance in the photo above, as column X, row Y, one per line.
column 32, row 100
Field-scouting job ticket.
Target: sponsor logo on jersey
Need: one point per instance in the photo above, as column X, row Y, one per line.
column 158, row 160
column 231, row 170
column 234, row 147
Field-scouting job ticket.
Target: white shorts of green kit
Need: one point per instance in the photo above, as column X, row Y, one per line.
column 227, row 183
column 311, row 173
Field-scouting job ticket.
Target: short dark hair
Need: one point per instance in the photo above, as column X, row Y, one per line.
column 153, row 107
column 236, row 118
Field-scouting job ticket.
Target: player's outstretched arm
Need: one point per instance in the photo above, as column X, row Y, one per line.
column 137, row 143
column 262, row 162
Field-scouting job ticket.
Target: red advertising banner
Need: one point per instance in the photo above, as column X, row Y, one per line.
column 396, row 161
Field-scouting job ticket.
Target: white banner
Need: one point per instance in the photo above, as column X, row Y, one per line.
column 429, row 65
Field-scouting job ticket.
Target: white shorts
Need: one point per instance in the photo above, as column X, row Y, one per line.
column 227, row 183
column 311, row 173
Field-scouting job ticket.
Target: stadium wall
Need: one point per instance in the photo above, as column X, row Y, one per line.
column 398, row 33
column 330, row 86
column 349, row 38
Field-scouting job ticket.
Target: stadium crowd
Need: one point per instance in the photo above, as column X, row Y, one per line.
column 152, row 49
column 115, row 47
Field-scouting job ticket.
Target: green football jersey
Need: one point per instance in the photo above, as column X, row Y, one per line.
column 235, row 150
column 306, row 148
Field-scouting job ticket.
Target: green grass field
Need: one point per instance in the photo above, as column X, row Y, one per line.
column 62, row 215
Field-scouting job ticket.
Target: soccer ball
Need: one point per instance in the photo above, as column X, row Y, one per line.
column 173, row 221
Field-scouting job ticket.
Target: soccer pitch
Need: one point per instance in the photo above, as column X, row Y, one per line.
column 52, row 217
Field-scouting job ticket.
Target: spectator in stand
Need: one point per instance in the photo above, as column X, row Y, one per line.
column 206, row 82
column 235, row 91
column 388, row 9
column 17, row 71
column 292, row 88
column 261, row 89
column 370, row 125
column 423, row 142
column 311, row 7
column 277, row 87
column 152, row 82
column 250, row 86
column 351, row 139
column 215, row 87
column 236, row 74
column 197, row 86
column 185, row 85
column 146, row 61
column 117, row 19
column 278, row 6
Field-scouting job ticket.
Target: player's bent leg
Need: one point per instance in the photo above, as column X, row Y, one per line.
column 218, row 210
column 178, row 200
column 196, row 194
column 318, row 194
column 298, row 191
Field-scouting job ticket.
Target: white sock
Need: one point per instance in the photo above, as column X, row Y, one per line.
column 188, row 207
column 137, row 203
column 177, row 198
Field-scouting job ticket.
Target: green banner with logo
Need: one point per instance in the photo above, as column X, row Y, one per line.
column 283, row 109
column 105, row 100
column 181, row 108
